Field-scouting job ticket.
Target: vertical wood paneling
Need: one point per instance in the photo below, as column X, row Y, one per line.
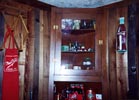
column 121, row 61
column 46, row 31
column 137, row 49
column 46, row 50
column 52, row 52
column 98, row 37
column 112, row 55
column 29, row 57
column 122, row 76
column 132, row 45
column 137, row 64
column 118, row 75
column 36, row 54
column 39, row 42
column 58, row 43
column 19, row 30
column 104, row 55
column 41, row 53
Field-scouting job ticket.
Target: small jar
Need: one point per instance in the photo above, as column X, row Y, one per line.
column 87, row 61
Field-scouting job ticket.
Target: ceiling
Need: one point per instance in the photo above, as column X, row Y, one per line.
column 79, row 3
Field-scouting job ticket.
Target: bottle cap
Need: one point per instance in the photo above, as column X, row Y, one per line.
column 121, row 19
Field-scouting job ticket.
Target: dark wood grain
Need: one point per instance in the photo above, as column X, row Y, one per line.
column 36, row 55
column 121, row 61
column 112, row 55
column 52, row 54
column 28, row 88
column 132, row 46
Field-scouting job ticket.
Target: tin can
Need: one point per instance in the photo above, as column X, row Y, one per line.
column 90, row 95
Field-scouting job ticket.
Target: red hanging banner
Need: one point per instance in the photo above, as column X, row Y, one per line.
column 10, row 84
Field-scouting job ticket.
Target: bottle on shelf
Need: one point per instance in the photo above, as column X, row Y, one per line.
column 66, row 92
column 56, row 94
column 90, row 95
column 121, row 36
column 81, row 95
column 83, row 24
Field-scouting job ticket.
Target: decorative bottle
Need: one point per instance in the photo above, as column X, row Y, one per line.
column 121, row 36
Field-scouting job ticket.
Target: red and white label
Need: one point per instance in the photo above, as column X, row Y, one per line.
column 11, row 63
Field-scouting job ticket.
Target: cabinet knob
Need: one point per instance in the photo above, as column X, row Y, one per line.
column 100, row 42
column 55, row 27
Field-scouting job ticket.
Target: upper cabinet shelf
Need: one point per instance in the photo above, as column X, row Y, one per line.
column 78, row 52
column 78, row 44
column 76, row 26
column 77, row 32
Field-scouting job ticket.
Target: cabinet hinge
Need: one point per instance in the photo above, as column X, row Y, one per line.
column 55, row 27
column 100, row 42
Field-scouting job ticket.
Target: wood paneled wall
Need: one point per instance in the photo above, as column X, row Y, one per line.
column 34, row 59
column 133, row 20
column 104, row 54
column 118, row 69
column 11, row 12
column 137, row 49
column 38, row 48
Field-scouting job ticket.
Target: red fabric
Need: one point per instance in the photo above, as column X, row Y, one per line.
column 10, row 83
column 9, row 34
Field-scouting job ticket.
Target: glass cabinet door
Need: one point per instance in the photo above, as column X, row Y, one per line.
column 77, row 45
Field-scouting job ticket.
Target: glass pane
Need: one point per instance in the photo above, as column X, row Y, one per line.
column 78, row 44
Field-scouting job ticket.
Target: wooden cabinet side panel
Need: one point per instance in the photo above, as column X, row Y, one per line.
column 112, row 55
column 52, row 53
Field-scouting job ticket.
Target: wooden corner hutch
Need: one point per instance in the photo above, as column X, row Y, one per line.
column 76, row 50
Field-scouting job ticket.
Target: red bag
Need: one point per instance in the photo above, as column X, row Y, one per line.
column 10, row 83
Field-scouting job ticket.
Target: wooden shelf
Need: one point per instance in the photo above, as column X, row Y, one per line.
column 78, row 79
column 80, row 73
column 76, row 52
column 77, row 32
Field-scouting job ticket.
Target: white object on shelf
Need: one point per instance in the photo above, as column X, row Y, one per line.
column 98, row 96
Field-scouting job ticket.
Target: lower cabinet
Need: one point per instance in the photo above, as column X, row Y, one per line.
column 77, row 91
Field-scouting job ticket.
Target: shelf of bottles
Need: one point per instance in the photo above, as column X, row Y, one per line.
column 77, row 91
column 78, row 44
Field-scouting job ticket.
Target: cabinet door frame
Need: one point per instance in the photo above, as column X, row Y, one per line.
column 57, row 68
